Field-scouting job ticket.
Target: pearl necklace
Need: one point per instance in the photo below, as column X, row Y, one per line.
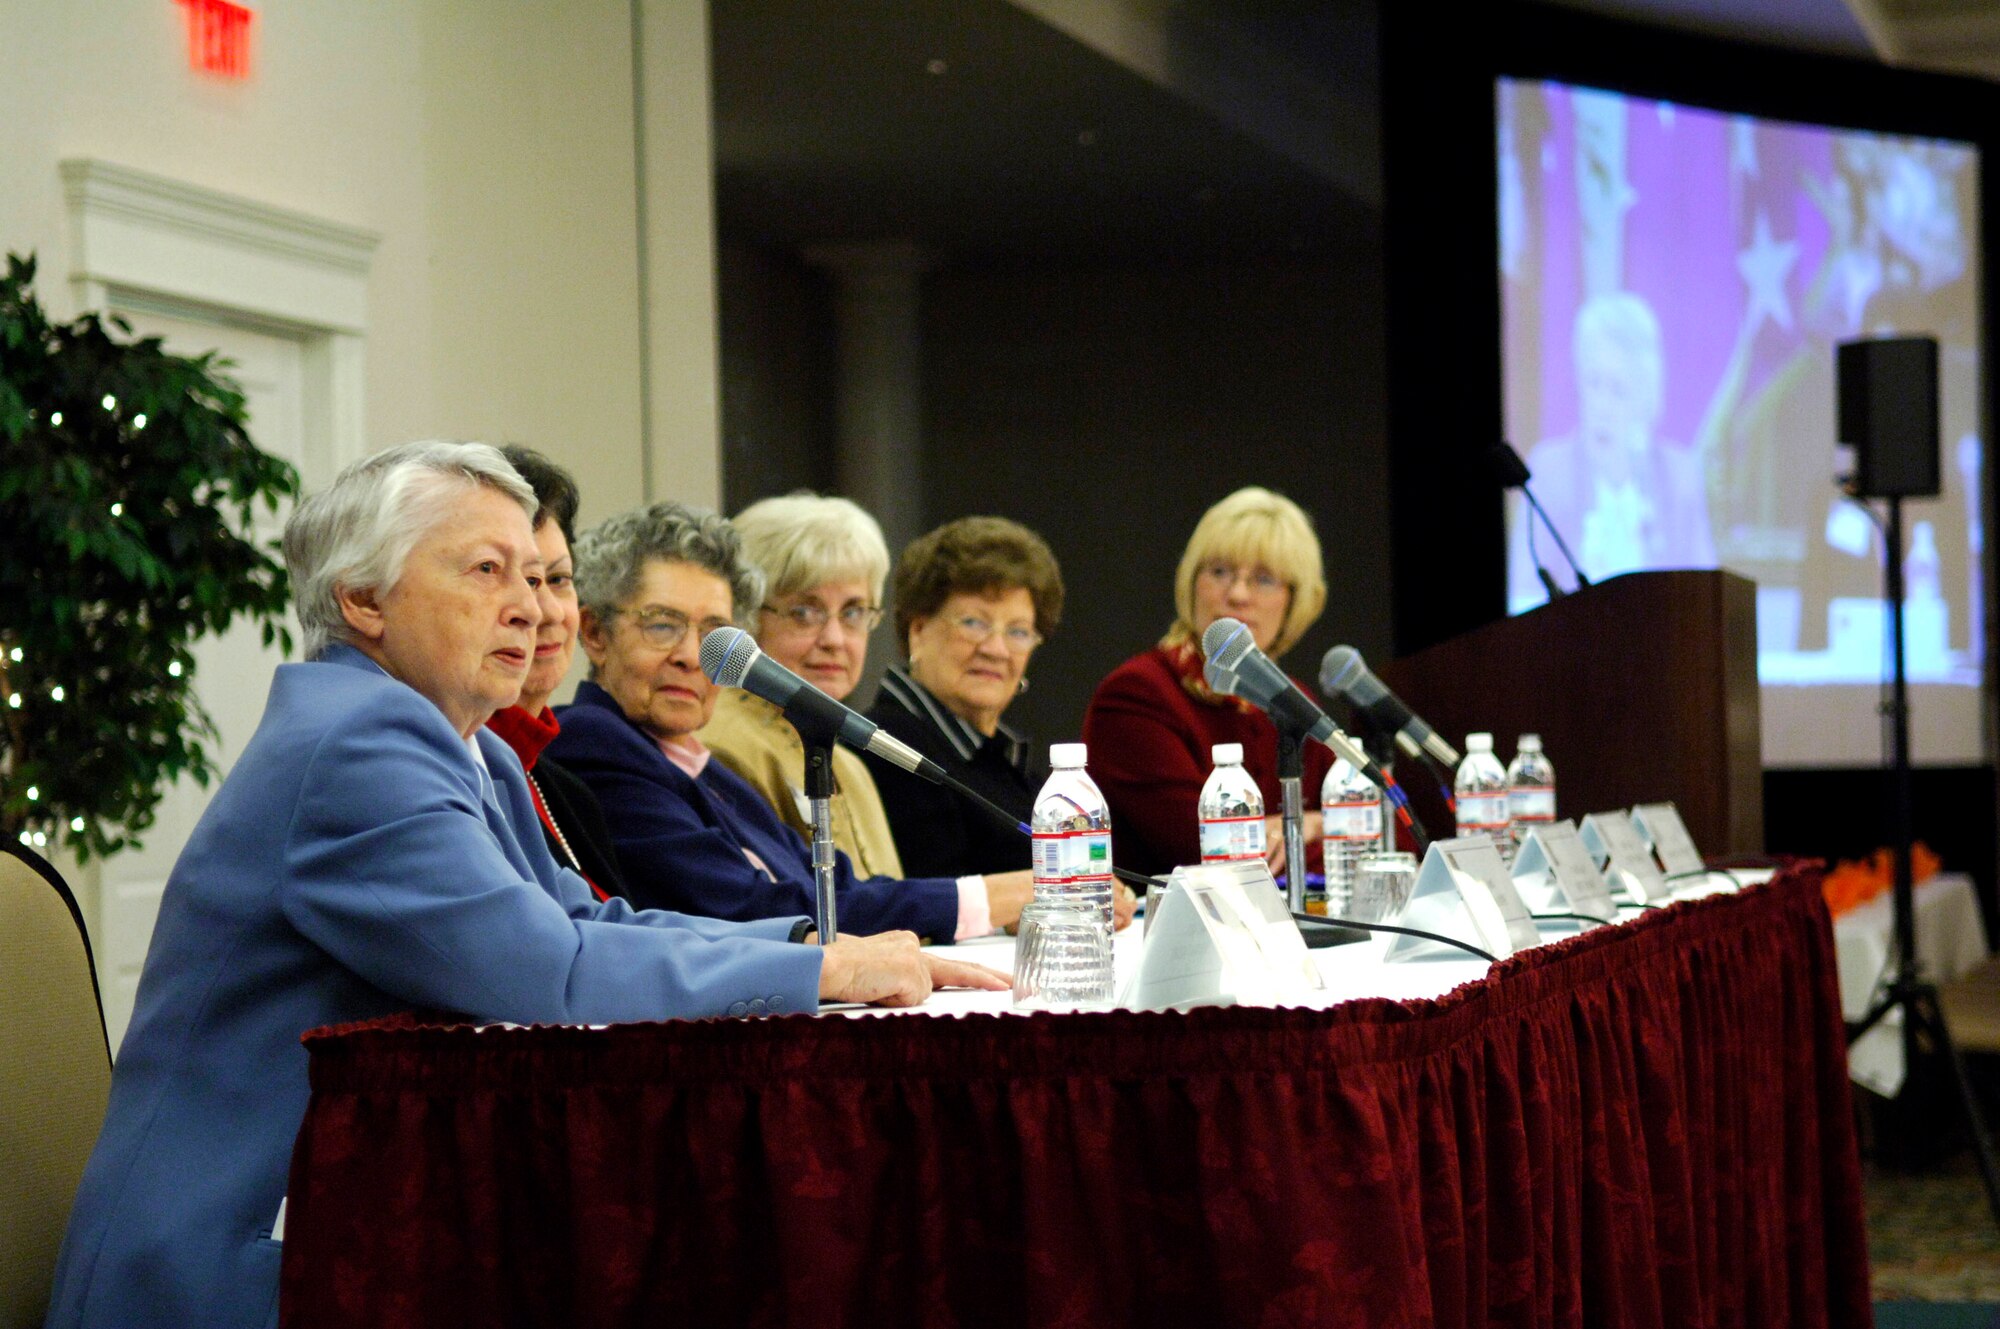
column 549, row 819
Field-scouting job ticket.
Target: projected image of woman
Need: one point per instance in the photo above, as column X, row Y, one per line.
column 1626, row 498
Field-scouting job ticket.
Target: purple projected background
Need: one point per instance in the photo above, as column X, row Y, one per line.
column 1674, row 281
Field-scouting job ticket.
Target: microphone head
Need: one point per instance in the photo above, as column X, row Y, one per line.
column 1225, row 643
column 1339, row 669
column 1218, row 678
column 1506, row 465
column 726, row 656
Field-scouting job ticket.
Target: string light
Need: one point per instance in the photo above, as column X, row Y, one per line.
column 14, row 700
column 110, row 402
column 76, row 824
column 34, row 792
column 55, row 422
column 56, row 693
column 174, row 668
column 139, row 421
column 117, row 509
column 15, row 654
column 27, row 839
column 41, row 841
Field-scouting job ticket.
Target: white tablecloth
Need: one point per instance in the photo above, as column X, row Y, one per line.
column 1351, row 971
column 1951, row 938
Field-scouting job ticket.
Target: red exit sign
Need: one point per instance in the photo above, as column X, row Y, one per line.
column 218, row 37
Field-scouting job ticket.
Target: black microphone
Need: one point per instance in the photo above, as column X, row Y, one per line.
column 731, row 659
column 1235, row 666
column 1344, row 673
column 1512, row 473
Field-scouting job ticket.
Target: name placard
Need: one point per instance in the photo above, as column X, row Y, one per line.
column 1222, row 936
column 1463, row 891
column 1617, row 848
column 1661, row 828
column 1554, row 872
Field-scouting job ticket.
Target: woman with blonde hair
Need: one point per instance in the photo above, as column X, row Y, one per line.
column 824, row 562
column 1153, row 720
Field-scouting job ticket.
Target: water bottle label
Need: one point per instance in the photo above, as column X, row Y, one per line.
column 1230, row 839
column 1481, row 812
column 1532, row 803
column 1352, row 821
column 1063, row 857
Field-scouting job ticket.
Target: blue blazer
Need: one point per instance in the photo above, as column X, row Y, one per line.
column 680, row 840
column 356, row 862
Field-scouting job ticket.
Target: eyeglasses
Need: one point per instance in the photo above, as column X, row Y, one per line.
column 974, row 630
column 810, row 619
column 664, row 631
column 1262, row 581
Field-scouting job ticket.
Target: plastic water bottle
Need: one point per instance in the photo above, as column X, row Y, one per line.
column 1481, row 792
column 1231, row 810
column 1350, row 809
column 1072, row 832
column 1531, row 788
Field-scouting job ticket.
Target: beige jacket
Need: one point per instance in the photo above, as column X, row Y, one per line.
column 752, row 737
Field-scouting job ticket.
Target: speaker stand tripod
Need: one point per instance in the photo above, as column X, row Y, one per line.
column 1910, row 993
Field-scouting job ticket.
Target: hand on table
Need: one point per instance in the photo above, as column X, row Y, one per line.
column 1007, row 893
column 893, row 969
column 1123, row 905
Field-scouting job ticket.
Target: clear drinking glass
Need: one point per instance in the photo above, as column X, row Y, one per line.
column 1062, row 959
column 1382, row 886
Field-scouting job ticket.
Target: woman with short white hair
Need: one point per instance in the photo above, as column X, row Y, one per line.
column 824, row 562
column 375, row 849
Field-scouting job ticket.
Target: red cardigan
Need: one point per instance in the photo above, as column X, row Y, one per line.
column 1149, row 737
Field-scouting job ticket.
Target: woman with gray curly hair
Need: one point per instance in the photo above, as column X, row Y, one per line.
column 691, row 834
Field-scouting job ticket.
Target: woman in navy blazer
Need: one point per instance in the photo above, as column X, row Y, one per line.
column 691, row 834
column 375, row 849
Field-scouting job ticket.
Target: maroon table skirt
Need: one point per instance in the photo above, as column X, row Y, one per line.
column 1643, row 1126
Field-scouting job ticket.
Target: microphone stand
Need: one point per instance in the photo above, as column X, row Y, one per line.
column 819, row 792
column 1910, row 993
column 1550, row 526
column 1291, row 775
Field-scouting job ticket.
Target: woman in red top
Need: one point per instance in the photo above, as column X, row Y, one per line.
column 1152, row 722
column 572, row 822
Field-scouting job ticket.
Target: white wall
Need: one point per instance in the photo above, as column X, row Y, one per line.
column 491, row 143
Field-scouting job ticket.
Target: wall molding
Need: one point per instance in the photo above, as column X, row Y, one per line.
column 147, row 241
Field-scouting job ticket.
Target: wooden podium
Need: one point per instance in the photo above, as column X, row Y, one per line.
column 1643, row 688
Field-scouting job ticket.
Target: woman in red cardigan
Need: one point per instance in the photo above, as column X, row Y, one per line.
column 1152, row 722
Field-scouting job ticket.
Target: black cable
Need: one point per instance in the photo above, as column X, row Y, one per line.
column 1581, row 918
column 1706, row 872
column 1406, row 932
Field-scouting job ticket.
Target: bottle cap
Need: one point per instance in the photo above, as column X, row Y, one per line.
column 1067, row 754
column 1529, row 743
column 1479, row 742
column 1227, row 754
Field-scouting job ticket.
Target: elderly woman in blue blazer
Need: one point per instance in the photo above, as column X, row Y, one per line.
column 691, row 833
column 376, row 849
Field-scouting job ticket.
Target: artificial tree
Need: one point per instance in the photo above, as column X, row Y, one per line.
column 128, row 490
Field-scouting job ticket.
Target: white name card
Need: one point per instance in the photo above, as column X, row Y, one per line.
column 1222, row 936
column 1463, row 891
column 1616, row 846
column 1661, row 828
column 1555, row 873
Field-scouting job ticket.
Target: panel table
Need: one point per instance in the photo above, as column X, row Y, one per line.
column 1645, row 1125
